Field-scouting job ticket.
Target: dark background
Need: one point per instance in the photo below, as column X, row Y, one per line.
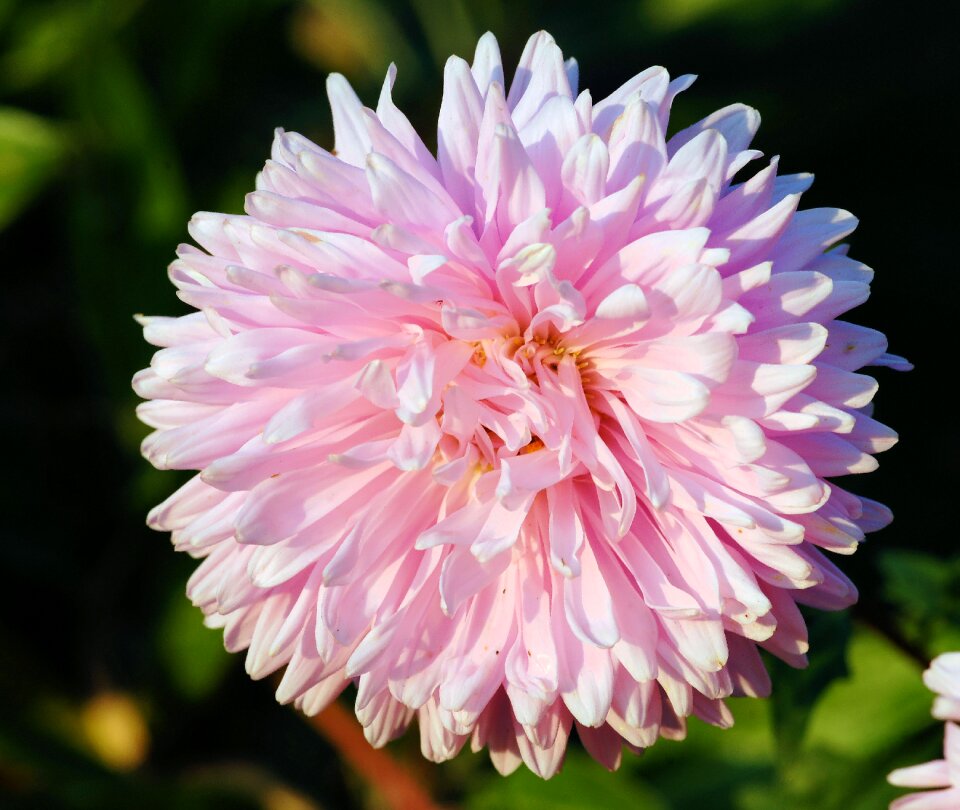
column 119, row 118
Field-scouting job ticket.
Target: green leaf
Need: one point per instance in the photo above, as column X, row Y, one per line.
column 795, row 691
column 925, row 592
column 670, row 15
column 192, row 654
column 878, row 707
column 713, row 762
column 122, row 121
column 451, row 32
column 48, row 37
column 581, row 785
column 30, row 151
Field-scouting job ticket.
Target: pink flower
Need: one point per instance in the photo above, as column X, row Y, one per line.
column 529, row 436
column 941, row 773
column 943, row 677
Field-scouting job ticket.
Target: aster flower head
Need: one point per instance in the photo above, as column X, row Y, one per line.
column 525, row 436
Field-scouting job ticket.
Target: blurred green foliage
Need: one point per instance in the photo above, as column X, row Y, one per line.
column 925, row 594
column 119, row 118
column 30, row 149
column 193, row 658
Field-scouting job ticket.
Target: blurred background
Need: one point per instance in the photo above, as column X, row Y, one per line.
column 120, row 118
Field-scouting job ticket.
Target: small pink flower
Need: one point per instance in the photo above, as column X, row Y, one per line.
column 941, row 773
column 943, row 677
column 525, row 437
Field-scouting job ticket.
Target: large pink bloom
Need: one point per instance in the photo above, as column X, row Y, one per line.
column 529, row 435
